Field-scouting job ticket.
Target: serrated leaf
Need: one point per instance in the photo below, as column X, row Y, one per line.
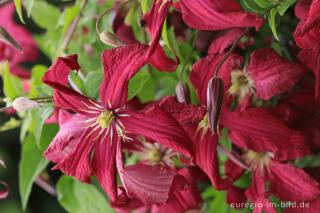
column 45, row 15
column 137, row 82
column 32, row 163
column 17, row 3
column 12, row 84
column 272, row 21
column 92, row 83
column 78, row 197
column 284, row 5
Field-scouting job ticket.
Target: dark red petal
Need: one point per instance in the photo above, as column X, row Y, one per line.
column 217, row 15
column 273, row 74
column 161, row 62
column 224, row 41
column 71, row 130
column 65, row 97
column 292, row 184
column 204, row 69
column 302, row 9
column 4, row 194
column 77, row 163
column 311, row 58
column 307, row 34
column 104, row 165
column 161, row 127
column 154, row 21
column 207, row 159
column 233, row 170
column 120, row 65
column 258, row 130
column 236, row 197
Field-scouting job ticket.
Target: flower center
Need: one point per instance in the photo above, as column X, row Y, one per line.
column 105, row 119
column 258, row 160
column 242, row 84
column 204, row 125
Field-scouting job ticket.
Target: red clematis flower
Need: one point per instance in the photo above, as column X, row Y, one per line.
column 307, row 33
column 216, row 15
column 108, row 124
column 23, row 37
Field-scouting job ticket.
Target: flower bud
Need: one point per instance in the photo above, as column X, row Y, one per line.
column 23, row 103
column 214, row 101
column 110, row 39
column 183, row 93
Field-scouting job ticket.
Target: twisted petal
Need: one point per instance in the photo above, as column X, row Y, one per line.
column 71, row 129
column 217, row 15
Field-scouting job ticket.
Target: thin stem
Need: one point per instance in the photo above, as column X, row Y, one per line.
column 189, row 56
column 234, row 45
column 48, row 187
column 107, row 11
column 73, row 26
column 234, row 158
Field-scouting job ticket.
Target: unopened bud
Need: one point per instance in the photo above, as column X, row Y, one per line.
column 8, row 39
column 23, row 103
column 110, row 39
column 183, row 93
column 214, row 101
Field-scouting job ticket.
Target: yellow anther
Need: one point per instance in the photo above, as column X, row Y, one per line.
column 105, row 119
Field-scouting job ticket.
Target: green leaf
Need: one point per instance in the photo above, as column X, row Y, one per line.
column 265, row 3
column 69, row 14
column 11, row 124
column 272, row 22
column 37, row 73
column 32, row 163
column 29, row 5
column 284, row 5
column 12, row 84
column 45, row 15
column 19, row 10
column 166, row 86
column 38, row 118
column 137, row 82
column 144, row 4
column 78, row 197
column 148, row 92
column 92, row 83
column 224, row 139
column 252, row 6
column 165, row 34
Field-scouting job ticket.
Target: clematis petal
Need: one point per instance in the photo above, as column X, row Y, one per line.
column 292, row 184
column 154, row 20
column 217, row 15
column 207, row 160
column 104, row 166
column 161, row 62
column 273, row 74
column 65, row 97
column 120, row 64
column 161, row 127
column 203, row 70
column 307, row 33
column 235, row 195
column 302, row 9
column 150, row 184
column 258, row 130
column 311, row 58
column 71, row 130
column 77, row 163
column 225, row 40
